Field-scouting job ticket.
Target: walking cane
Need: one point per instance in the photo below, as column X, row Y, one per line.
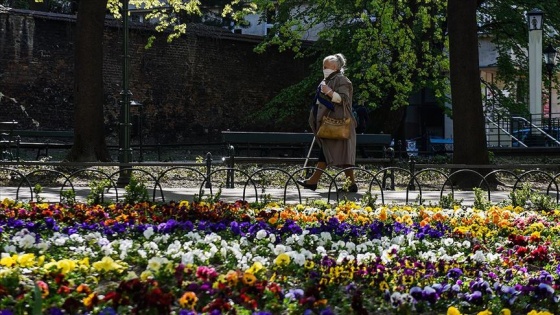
column 308, row 155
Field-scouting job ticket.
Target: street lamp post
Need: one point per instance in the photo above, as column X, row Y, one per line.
column 535, row 26
column 125, row 154
column 550, row 62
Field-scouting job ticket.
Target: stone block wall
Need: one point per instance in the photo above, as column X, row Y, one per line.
column 191, row 88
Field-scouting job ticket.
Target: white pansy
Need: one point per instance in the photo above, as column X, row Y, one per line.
column 149, row 232
column 107, row 250
column 364, row 258
column 263, row 260
column 162, row 238
column 188, row 258
column 479, row 256
column 193, row 236
column 306, row 253
column 261, row 234
column 124, row 247
column 272, row 238
column 102, row 241
column 213, row 238
column 76, row 238
column 363, row 247
column 493, row 257
column 223, row 252
column 42, row 246
column 466, row 244
column 351, row 247
column 27, row 241
column 187, row 246
column 298, row 258
column 447, row 241
column 321, row 250
column 81, row 250
column 155, row 263
column 279, row 249
column 150, row 246
column 291, row 239
column 398, row 239
column 142, row 253
column 59, row 239
column 341, row 255
column 9, row 249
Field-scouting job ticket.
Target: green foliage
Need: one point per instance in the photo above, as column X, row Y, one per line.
column 369, row 200
column 519, row 197
column 448, row 202
column 37, row 190
column 530, row 199
column 480, row 201
column 68, row 196
column 393, row 48
column 288, row 103
column 135, row 191
column 543, row 202
column 209, row 199
column 97, row 188
column 37, row 301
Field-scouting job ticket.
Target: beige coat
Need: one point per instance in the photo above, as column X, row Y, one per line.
column 338, row 152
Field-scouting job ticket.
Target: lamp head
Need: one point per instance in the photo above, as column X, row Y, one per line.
column 550, row 56
column 535, row 20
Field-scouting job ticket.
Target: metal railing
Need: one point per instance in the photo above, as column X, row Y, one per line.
column 517, row 131
column 191, row 181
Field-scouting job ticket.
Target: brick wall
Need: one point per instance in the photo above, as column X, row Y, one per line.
column 207, row 81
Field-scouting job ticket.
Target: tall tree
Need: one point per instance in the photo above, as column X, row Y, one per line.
column 89, row 133
column 468, row 129
column 394, row 49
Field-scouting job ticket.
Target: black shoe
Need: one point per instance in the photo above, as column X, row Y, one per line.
column 352, row 188
column 306, row 185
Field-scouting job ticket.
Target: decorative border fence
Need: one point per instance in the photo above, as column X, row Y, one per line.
column 22, row 177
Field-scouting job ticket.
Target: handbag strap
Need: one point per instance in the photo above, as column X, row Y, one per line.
column 343, row 112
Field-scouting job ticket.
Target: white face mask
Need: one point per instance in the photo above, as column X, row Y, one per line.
column 327, row 72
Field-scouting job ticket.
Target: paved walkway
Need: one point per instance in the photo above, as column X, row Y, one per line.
column 52, row 194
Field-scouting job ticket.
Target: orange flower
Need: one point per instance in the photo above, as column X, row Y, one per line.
column 249, row 279
column 188, row 300
column 383, row 215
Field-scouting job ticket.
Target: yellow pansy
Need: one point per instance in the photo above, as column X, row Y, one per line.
column 282, row 260
column 106, row 264
column 256, row 267
column 453, row 311
column 66, row 265
column 8, row 261
column 26, row 260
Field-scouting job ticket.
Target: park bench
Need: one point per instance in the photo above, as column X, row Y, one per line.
column 244, row 147
column 438, row 145
column 41, row 140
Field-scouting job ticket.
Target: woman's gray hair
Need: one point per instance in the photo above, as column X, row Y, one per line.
column 338, row 59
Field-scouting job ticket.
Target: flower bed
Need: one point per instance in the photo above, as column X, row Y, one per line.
column 230, row 258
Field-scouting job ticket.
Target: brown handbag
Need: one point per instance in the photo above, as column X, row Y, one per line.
column 333, row 128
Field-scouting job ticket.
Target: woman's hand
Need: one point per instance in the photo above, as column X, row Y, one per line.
column 325, row 89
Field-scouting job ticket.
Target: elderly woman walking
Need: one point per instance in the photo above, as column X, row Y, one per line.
column 333, row 98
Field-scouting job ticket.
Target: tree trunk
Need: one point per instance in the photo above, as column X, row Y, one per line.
column 468, row 116
column 89, row 132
